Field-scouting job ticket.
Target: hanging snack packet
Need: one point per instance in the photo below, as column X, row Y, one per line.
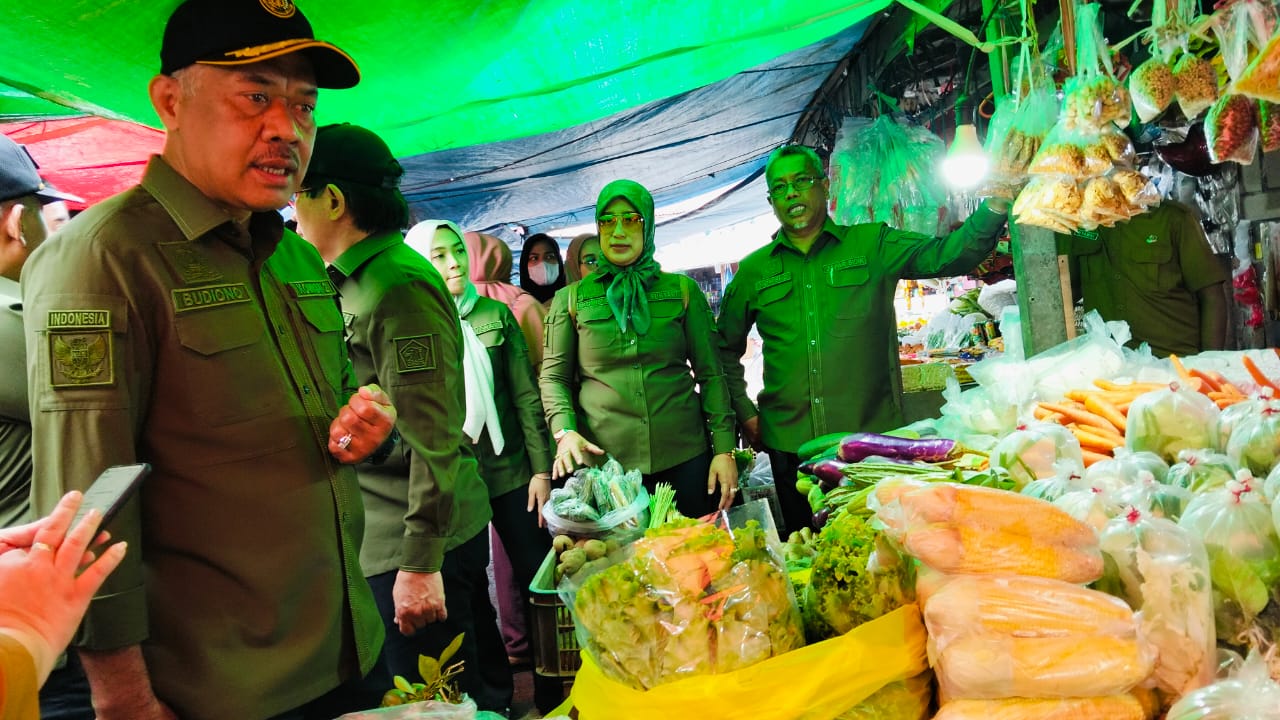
column 1268, row 126
column 1261, row 79
column 1195, row 85
column 1231, row 129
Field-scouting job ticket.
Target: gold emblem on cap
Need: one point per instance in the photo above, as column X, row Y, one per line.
column 279, row 8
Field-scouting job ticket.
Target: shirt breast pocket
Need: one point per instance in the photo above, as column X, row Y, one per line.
column 231, row 373
column 597, row 327
column 327, row 331
column 848, row 301
column 1151, row 265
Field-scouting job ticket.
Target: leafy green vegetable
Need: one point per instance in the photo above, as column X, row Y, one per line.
column 845, row 589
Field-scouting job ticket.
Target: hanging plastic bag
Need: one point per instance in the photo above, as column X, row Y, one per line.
column 884, row 170
column 1261, row 79
column 1249, row 694
column 825, row 679
column 1166, row 422
column 1019, row 125
column 1195, row 85
column 1239, row 535
column 1162, row 571
column 1093, row 96
column 1231, row 129
column 1268, row 126
column 1151, row 84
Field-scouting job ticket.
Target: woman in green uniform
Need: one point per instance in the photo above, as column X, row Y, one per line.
column 619, row 346
column 504, row 416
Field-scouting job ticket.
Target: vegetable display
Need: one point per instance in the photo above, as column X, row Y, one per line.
column 597, row 501
column 856, row 577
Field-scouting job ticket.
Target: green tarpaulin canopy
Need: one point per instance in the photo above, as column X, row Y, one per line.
column 437, row 75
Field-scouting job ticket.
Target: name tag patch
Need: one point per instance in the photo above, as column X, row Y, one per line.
column 495, row 325
column 1086, row 234
column 79, row 319
column 312, row 288
column 198, row 298
column 415, row 354
column 771, row 281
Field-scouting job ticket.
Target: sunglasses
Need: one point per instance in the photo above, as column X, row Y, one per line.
column 629, row 220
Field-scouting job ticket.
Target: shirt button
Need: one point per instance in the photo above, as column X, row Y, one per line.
column 639, row 394
column 817, row 401
column 1117, row 277
column 636, row 366
column 306, row 389
column 813, row 342
column 808, row 286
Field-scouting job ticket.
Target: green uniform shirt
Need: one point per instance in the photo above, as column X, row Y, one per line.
column 160, row 331
column 526, row 447
column 403, row 333
column 15, row 420
column 635, row 392
column 1146, row 271
column 828, row 324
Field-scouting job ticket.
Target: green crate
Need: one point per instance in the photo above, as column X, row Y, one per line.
column 555, row 639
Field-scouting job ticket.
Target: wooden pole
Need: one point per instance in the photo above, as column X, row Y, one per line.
column 1068, row 9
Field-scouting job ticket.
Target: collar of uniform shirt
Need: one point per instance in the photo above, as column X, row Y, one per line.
column 362, row 252
column 780, row 238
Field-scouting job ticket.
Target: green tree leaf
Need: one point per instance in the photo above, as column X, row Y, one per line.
column 451, row 650
column 429, row 669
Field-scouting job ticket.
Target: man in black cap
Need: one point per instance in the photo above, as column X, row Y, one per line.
column 427, row 509
column 179, row 324
column 24, row 200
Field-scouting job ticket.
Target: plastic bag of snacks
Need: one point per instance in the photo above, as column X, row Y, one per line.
column 1268, row 126
column 1151, row 84
column 1093, row 96
column 1019, row 125
column 1162, row 570
column 1261, row 79
column 1195, row 85
column 1231, row 129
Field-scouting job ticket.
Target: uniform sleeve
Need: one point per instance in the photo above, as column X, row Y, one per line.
column 524, row 393
column 531, row 317
column 88, row 382
column 713, row 388
column 558, row 380
column 13, row 354
column 731, row 343
column 416, row 344
column 912, row 256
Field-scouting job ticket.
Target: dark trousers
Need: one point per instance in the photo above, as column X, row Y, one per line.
column 466, row 593
column 65, row 696
column 526, row 546
column 352, row 696
column 689, row 479
column 795, row 507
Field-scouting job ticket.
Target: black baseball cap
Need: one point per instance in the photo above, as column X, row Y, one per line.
column 20, row 176
column 346, row 152
column 240, row 32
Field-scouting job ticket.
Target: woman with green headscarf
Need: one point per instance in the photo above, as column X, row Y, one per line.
column 619, row 346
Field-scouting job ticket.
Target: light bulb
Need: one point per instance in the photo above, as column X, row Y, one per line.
column 966, row 164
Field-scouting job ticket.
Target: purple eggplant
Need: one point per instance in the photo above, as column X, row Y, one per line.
column 829, row 473
column 820, row 518
column 862, row 445
column 806, row 467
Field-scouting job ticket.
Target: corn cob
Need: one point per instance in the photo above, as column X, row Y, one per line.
column 986, row 667
column 1111, row 707
column 1020, row 606
column 969, row 551
column 995, row 510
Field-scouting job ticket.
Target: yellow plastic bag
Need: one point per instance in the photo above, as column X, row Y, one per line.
column 816, row 682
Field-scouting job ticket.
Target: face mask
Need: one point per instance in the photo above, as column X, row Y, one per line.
column 544, row 273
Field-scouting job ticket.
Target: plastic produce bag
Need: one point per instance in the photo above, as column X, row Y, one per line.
column 825, row 679
column 1255, row 442
column 596, row 502
column 1271, row 489
column 428, row 710
column 1239, row 535
column 1036, row 451
column 1166, row 422
column 1160, row 500
column 1092, row 506
column 884, row 170
column 996, row 637
column 1201, row 471
column 1125, row 469
column 908, row 699
column 689, row 598
column 1249, row 694
column 1111, row 707
column 1162, row 571
column 1067, row 478
column 857, row 576
column 1232, row 416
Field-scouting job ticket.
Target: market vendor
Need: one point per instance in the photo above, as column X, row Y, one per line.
column 821, row 297
column 619, row 347
column 1157, row 272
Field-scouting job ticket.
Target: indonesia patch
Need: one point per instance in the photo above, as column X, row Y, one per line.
column 415, row 354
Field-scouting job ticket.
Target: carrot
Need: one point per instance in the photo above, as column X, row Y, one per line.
column 1143, row 386
column 1093, row 442
column 1107, row 411
column 1091, row 457
column 1080, row 415
column 1227, row 402
column 1124, row 407
column 1257, row 375
column 1209, row 382
column 1226, row 384
column 1179, row 368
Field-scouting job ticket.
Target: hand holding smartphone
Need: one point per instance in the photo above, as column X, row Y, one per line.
column 111, row 491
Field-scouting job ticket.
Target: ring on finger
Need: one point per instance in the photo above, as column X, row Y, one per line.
column 41, row 546
column 345, row 441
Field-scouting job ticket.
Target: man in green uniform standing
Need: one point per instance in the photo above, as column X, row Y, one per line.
column 1156, row 272
column 821, row 297
column 425, row 546
column 179, row 324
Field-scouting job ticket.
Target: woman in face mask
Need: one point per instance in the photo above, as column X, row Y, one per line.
column 620, row 344
column 504, row 417
column 541, row 268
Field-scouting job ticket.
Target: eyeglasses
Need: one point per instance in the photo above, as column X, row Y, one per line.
column 629, row 220
column 780, row 189
column 590, row 261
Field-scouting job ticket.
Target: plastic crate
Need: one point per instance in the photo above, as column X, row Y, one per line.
column 555, row 639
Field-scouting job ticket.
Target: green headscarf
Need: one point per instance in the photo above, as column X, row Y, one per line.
column 626, row 292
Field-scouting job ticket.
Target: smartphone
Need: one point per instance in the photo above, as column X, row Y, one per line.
column 111, row 491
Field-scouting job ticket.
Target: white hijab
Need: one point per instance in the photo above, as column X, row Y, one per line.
column 477, row 370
